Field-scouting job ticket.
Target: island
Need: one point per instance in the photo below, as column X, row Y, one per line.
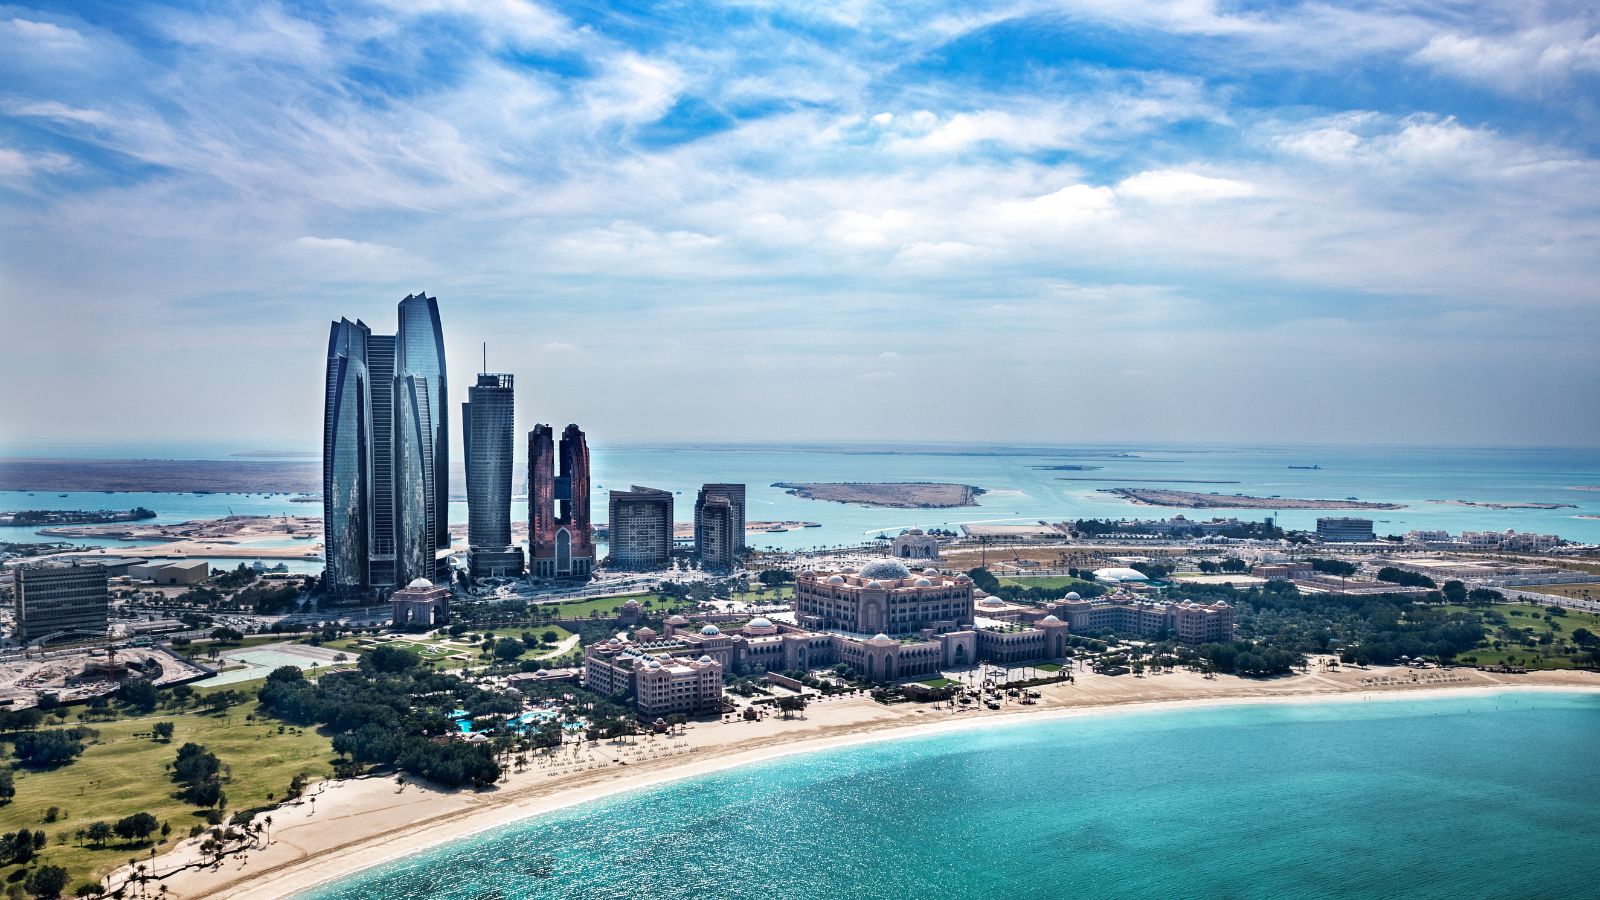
column 1484, row 504
column 171, row 476
column 1193, row 500
column 897, row 494
column 27, row 517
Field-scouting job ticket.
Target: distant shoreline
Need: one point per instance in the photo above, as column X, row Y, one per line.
column 161, row 476
column 1193, row 500
column 894, row 495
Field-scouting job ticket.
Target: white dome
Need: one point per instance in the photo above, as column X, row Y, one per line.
column 836, row 579
column 881, row 638
column 874, row 585
column 1073, row 595
column 923, row 582
column 886, row 570
column 631, row 603
column 1050, row 620
column 710, row 630
column 991, row 602
column 848, row 570
column 419, row 584
column 655, row 663
column 760, row 622
column 931, row 572
column 677, row 620
column 963, row 578
column 705, row 658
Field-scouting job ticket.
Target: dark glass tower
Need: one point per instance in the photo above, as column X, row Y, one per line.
column 346, row 460
column 421, row 445
column 487, row 438
column 380, row 368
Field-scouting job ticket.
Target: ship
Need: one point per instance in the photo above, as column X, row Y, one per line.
column 1305, row 467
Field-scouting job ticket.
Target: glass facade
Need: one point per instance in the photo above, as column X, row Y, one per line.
column 346, row 460
column 487, row 435
column 421, row 445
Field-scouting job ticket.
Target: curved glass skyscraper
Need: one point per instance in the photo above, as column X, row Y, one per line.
column 421, row 444
column 385, row 453
column 346, row 459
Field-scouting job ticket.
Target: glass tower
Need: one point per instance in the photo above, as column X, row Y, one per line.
column 346, row 459
column 487, row 438
column 421, row 445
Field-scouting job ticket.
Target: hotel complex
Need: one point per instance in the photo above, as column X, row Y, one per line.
column 887, row 623
column 560, row 542
column 640, row 528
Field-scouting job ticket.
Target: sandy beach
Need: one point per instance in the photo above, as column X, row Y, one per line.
column 341, row 827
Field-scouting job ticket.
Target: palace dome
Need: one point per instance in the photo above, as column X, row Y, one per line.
column 836, row 579
column 759, row 622
column 705, row 658
column 931, row 572
column 1050, row 620
column 881, row 638
column 922, row 582
column 1073, row 595
column 419, row 584
column 711, row 631
column 677, row 620
column 874, row 585
column 885, row 570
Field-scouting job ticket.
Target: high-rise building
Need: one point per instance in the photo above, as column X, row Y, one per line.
column 715, row 537
column 347, row 459
column 641, row 528
column 421, row 445
column 380, row 539
column 719, row 531
column 385, row 456
column 58, row 600
column 1341, row 529
column 560, row 542
column 488, row 438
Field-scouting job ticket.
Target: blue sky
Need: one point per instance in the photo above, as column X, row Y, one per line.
column 1103, row 220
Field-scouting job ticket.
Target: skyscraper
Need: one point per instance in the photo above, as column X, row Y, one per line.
column 380, row 540
column 60, row 600
column 346, row 459
column 727, row 547
column 421, row 445
column 641, row 528
column 719, row 525
column 385, row 457
column 560, row 543
column 487, row 437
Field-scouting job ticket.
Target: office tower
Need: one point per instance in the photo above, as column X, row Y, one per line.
column 560, row 543
column 641, row 528
column 380, row 538
column 55, row 601
column 421, row 445
column 715, row 535
column 346, row 459
column 734, row 495
column 487, row 437
column 385, row 454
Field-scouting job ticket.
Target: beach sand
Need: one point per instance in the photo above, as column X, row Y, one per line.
column 341, row 827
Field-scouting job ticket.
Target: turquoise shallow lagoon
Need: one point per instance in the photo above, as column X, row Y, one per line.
column 1477, row 796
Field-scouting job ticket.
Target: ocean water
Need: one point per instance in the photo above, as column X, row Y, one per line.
column 1019, row 492
column 1484, row 796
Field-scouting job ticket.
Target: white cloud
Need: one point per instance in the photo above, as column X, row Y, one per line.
column 18, row 165
column 1175, row 186
column 1519, row 60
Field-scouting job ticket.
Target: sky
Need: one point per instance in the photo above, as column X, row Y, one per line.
column 1105, row 220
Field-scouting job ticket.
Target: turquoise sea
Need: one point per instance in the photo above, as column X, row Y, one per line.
column 1492, row 796
column 1020, row 490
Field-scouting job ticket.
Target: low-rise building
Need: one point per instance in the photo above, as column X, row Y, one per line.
column 661, row 683
column 915, row 544
column 188, row 571
column 1285, row 571
column 420, row 603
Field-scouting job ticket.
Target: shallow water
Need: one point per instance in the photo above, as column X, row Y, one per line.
column 1481, row 796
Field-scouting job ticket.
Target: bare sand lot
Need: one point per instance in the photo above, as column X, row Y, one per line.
column 351, row 825
column 1193, row 500
column 898, row 495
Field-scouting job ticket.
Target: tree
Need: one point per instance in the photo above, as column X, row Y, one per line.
column 45, row 749
column 47, row 881
column 162, row 731
column 99, row 832
column 1454, row 592
column 8, row 784
column 791, row 704
column 140, row 694
column 136, row 827
column 507, row 649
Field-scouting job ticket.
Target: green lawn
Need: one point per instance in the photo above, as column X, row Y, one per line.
column 124, row 773
column 609, row 606
column 937, row 682
column 1047, row 667
column 1521, row 616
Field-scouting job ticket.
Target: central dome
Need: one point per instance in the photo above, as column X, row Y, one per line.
column 885, row 570
column 419, row 584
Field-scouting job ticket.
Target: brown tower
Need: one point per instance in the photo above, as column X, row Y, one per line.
column 560, row 543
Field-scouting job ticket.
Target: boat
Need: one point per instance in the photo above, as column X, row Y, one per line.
column 813, row 525
column 1305, row 467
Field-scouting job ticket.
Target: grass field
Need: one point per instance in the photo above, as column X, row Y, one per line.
column 124, row 773
column 937, row 682
column 1524, row 617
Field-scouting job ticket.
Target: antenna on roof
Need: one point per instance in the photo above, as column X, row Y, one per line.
column 485, row 357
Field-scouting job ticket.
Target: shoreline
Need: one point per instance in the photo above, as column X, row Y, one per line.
column 370, row 822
